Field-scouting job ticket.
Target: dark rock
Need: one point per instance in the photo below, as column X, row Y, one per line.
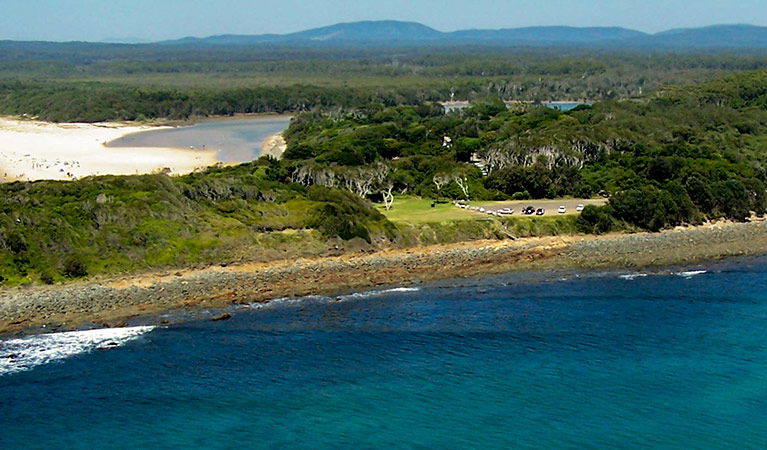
column 109, row 345
column 220, row 317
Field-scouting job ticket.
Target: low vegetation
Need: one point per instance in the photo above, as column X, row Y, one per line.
column 52, row 231
column 679, row 155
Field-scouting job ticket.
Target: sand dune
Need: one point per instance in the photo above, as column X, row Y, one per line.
column 31, row 150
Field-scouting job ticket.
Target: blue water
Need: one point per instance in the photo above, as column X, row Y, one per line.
column 236, row 140
column 526, row 361
column 563, row 106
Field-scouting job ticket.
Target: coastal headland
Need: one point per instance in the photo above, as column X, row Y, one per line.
column 112, row 301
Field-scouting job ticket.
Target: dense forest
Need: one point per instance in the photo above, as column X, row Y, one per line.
column 681, row 155
column 90, row 83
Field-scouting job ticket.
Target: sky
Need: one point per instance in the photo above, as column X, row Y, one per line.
column 153, row 20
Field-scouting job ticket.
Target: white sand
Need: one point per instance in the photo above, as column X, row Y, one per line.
column 32, row 150
column 274, row 146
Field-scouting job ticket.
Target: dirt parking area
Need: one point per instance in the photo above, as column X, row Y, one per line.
column 550, row 206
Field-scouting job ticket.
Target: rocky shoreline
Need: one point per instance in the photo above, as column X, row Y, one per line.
column 110, row 302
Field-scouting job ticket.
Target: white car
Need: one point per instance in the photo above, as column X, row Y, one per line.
column 579, row 207
column 562, row 210
column 506, row 211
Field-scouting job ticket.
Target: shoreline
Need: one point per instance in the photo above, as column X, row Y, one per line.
column 32, row 150
column 273, row 145
column 110, row 301
column 220, row 118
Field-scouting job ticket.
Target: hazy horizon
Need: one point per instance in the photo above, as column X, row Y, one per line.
column 144, row 20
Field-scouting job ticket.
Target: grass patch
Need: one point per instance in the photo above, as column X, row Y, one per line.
column 420, row 210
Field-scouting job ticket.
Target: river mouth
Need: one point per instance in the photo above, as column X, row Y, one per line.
column 235, row 140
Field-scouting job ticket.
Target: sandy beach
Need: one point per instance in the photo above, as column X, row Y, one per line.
column 274, row 146
column 32, row 150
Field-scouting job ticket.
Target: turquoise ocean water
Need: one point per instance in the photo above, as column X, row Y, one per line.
column 672, row 358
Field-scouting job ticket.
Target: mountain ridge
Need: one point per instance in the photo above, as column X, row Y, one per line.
column 392, row 33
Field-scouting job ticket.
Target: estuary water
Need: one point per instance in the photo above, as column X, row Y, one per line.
column 672, row 358
column 236, row 140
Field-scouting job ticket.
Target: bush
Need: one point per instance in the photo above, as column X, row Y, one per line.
column 651, row 208
column 331, row 221
column 596, row 220
column 74, row 267
column 344, row 214
column 46, row 278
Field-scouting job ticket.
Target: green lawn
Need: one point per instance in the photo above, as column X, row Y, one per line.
column 419, row 210
column 449, row 223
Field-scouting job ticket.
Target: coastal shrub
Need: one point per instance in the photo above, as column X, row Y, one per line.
column 16, row 243
column 74, row 267
column 46, row 278
column 332, row 221
column 731, row 199
column 596, row 220
column 343, row 214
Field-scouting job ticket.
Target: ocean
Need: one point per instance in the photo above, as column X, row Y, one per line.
column 662, row 358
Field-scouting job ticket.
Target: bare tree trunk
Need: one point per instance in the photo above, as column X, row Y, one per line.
column 440, row 180
column 463, row 183
column 388, row 197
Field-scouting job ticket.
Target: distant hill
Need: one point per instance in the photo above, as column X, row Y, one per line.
column 368, row 32
column 728, row 36
column 549, row 35
column 125, row 40
column 394, row 33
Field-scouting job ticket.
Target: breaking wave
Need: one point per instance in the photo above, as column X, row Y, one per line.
column 632, row 276
column 691, row 273
column 17, row 355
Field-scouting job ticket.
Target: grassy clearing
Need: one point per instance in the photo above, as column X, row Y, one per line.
column 419, row 210
column 420, row 223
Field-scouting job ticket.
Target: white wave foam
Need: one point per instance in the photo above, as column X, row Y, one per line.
column 285, row 301
column 17, row 355
column 690, row 273
column 382, row 292
column 631, row 276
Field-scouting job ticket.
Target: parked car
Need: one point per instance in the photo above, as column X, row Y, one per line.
column 506, row 211
column 580, row 207
column 540, row 212
column 528, row 210
column 562, row 210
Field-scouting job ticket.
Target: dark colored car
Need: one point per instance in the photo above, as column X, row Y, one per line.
column 529, row 210
column 540, row 212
